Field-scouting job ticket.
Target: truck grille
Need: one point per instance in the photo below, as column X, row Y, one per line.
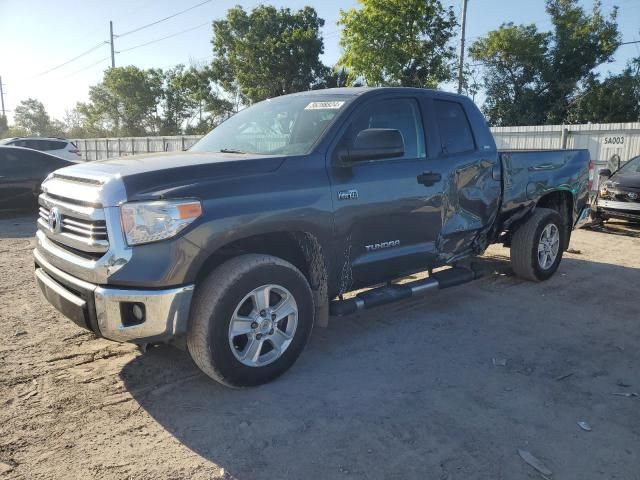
column 72, row 217
column 89, row 231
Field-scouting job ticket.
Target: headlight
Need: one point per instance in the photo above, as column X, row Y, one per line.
column 146, row 222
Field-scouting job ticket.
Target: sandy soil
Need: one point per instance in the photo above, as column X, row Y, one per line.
column 446, row 386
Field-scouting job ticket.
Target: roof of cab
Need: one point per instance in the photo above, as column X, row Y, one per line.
column 356, row 91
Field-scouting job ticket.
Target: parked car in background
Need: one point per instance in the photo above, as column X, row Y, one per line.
column 619, row 195
column 22, row 170
column 60, row 147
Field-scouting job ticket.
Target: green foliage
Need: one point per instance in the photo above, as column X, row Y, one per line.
column 4, row 126
column 530, row 77
column 125, row 102
column 268, row 52
column 615, row 99
column 203, row 99
column 31, row 116
column 16, row 131
column 398, row 42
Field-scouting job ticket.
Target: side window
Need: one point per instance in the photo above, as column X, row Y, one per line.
column 455, row 131
column 56, row 145
column 401, row 114
column 42, row 145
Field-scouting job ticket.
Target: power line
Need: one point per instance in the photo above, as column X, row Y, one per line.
column 88, row 67
column 164, row 38
column 87, row 52
column 162, row 19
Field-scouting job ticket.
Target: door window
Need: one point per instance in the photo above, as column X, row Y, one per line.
column 455, row 131
column 400, row 114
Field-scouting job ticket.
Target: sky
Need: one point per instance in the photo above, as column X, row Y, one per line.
column 39, row 35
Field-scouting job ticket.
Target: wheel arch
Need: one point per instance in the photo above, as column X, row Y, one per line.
column 300, row 248
column 562, row 201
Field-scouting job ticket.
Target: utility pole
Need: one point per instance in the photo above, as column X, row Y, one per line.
column 461, row 64
column 113, row 53
column 4, row 114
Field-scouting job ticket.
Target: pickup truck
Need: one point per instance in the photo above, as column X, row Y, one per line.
column 235, row 248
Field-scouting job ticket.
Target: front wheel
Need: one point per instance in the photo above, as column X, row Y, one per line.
column 536, row 247
column 250, row 321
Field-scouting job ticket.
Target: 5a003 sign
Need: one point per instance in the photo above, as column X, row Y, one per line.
column 614, row 140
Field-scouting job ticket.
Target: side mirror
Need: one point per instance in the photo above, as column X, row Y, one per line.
column 375, row 144
column 604, row 172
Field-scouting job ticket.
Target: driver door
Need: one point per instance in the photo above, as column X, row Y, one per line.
column 387, row 212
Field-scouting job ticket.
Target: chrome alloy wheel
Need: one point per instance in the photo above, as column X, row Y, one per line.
column 263, row 325
column 548, row 246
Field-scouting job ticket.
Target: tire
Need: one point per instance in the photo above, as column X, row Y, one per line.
column 232, row 291
column 526, row 241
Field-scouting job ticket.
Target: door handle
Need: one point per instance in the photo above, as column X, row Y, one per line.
column 429, row 178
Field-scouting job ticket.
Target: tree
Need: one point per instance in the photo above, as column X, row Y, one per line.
column 398, row 42
column 268, row 52
column 514, row 59
column 75, row 124
column 192, row 95
column 177, row 102
column 615, row 99
column 531, row 77
column 31, row 115
column 125, row 102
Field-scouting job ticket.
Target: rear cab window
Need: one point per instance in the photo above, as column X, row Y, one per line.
column 456, row 135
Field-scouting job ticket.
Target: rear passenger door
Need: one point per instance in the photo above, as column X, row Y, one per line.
column 386, row 220
column 470, row 172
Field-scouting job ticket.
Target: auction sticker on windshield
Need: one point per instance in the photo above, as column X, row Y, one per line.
column 324, row 106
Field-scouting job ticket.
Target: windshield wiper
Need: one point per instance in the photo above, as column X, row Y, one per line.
column 231, row 150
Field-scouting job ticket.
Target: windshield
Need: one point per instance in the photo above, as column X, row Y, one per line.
column 632, row 166
column 287, row 125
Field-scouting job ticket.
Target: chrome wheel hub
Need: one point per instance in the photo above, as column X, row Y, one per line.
column 548, row 246
column 263, row 325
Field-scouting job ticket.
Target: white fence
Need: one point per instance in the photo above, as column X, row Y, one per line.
column 101, row 148
column 604, row 141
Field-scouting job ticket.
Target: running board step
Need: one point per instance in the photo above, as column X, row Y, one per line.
column 393, row 293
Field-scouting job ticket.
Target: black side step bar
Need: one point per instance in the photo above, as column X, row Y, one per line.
column 392, row 293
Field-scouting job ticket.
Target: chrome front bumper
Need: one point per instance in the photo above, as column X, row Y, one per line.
column 101, row 308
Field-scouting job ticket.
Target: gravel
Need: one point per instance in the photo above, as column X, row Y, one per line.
column 409, row 390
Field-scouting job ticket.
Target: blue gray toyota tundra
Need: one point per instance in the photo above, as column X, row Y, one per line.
column 235, row 248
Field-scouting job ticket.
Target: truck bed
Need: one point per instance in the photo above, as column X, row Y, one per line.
column 527, row 175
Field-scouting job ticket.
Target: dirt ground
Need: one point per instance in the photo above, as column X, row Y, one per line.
column 445, row 386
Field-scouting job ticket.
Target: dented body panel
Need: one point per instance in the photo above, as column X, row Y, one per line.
column 529, row 175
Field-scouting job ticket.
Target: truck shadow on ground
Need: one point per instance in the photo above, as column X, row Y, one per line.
column 404, row 391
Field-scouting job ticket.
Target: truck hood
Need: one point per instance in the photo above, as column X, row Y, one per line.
column 156, row 175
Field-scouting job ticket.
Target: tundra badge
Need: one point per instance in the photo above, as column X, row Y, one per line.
column 378, row 246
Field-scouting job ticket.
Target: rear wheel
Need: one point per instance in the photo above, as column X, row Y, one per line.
column 536, row 247
column 251, row 319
